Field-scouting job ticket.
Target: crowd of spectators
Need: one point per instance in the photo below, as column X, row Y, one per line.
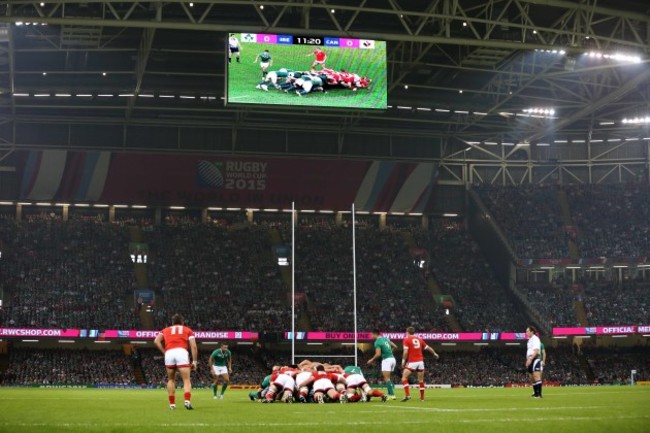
column 613, row 219
column 608, row 303
column 607, row 220
column 391, row 291
column 529, row 215
column 460, row 269
column 555, row 302
column 42, row 367
column 615, row 365
column 217, row 278
column 490, row 366
column 74, row 274
column 78, row 274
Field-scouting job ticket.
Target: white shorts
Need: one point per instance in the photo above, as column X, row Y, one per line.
column 388, row 364
column 264, row 65
column 302, row 376
column 177, row 357
column 415, row 366
column 272, row 77
column 285, row 381
column 219, row 370
column 323, row 385
column 355, row 381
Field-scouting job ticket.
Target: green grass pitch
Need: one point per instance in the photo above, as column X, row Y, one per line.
column 584, row 409
column 244, row 76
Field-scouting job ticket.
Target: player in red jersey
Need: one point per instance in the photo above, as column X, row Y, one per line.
column 319, row 59
column 173, row 342
column 413, row 347
column 282, row 379
column 323, row 384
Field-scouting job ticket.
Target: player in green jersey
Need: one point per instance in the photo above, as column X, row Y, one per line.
column 220, row 366
column 261, row 391
column 384, row 350
column 265, row 61
column 356, row 381
column 274, row 77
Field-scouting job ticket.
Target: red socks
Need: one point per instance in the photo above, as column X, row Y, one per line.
column 407, row 391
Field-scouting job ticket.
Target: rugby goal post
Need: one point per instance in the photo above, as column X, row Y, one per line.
column 294, row 221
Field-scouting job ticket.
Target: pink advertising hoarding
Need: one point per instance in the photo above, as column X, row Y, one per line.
column 39, row 332
column 602, row 330
column 429, row 336
column 137, row 334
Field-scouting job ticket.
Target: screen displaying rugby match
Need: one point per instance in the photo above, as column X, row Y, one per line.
column 315, row 71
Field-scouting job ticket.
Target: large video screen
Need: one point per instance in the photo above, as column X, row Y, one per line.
column 315, row 71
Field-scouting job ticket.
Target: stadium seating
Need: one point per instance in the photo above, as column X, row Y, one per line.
column 555, row 302
column 391, row 291
column 529, row 215
column 613, row 219
column 492, row 366
column 74, row 274
column 459, row 267
column 43, row 367
column 217, row 278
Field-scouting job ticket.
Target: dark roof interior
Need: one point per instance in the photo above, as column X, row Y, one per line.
column 503, row 60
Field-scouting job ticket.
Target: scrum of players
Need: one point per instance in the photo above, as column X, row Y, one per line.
column 314, row 382
column 305, row 82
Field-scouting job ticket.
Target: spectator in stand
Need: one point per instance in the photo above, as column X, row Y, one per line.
column 613, row 219
column 530, row 216
column 391, row 290
column 45, row 367
column 610, row 303
column 74, row 274
column 554, row 302
column 460, row 269
column 491, row 366
column 222, row 267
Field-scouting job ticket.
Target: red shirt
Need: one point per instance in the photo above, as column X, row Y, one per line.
column 333, row 377
column 320, row 55
column 176, row 336
column 415, row 345
column 284, row 370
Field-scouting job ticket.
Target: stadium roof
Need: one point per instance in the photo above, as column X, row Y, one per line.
column 504, row 55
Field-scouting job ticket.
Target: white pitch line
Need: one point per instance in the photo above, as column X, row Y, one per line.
column 502, row 409
column 232, row 98
column 330, row 422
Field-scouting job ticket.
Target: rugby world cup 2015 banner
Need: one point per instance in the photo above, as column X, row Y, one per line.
column 208, row 180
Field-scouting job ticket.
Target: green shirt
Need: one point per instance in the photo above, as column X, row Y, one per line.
column 264, row 57
column 283, row 72
column 541, row 349
column 352, row 369
column 266, row 382
column 316, row 81
column 221, row 358
column 383, row 344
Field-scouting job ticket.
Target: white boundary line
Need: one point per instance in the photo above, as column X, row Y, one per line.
column 330, row 423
